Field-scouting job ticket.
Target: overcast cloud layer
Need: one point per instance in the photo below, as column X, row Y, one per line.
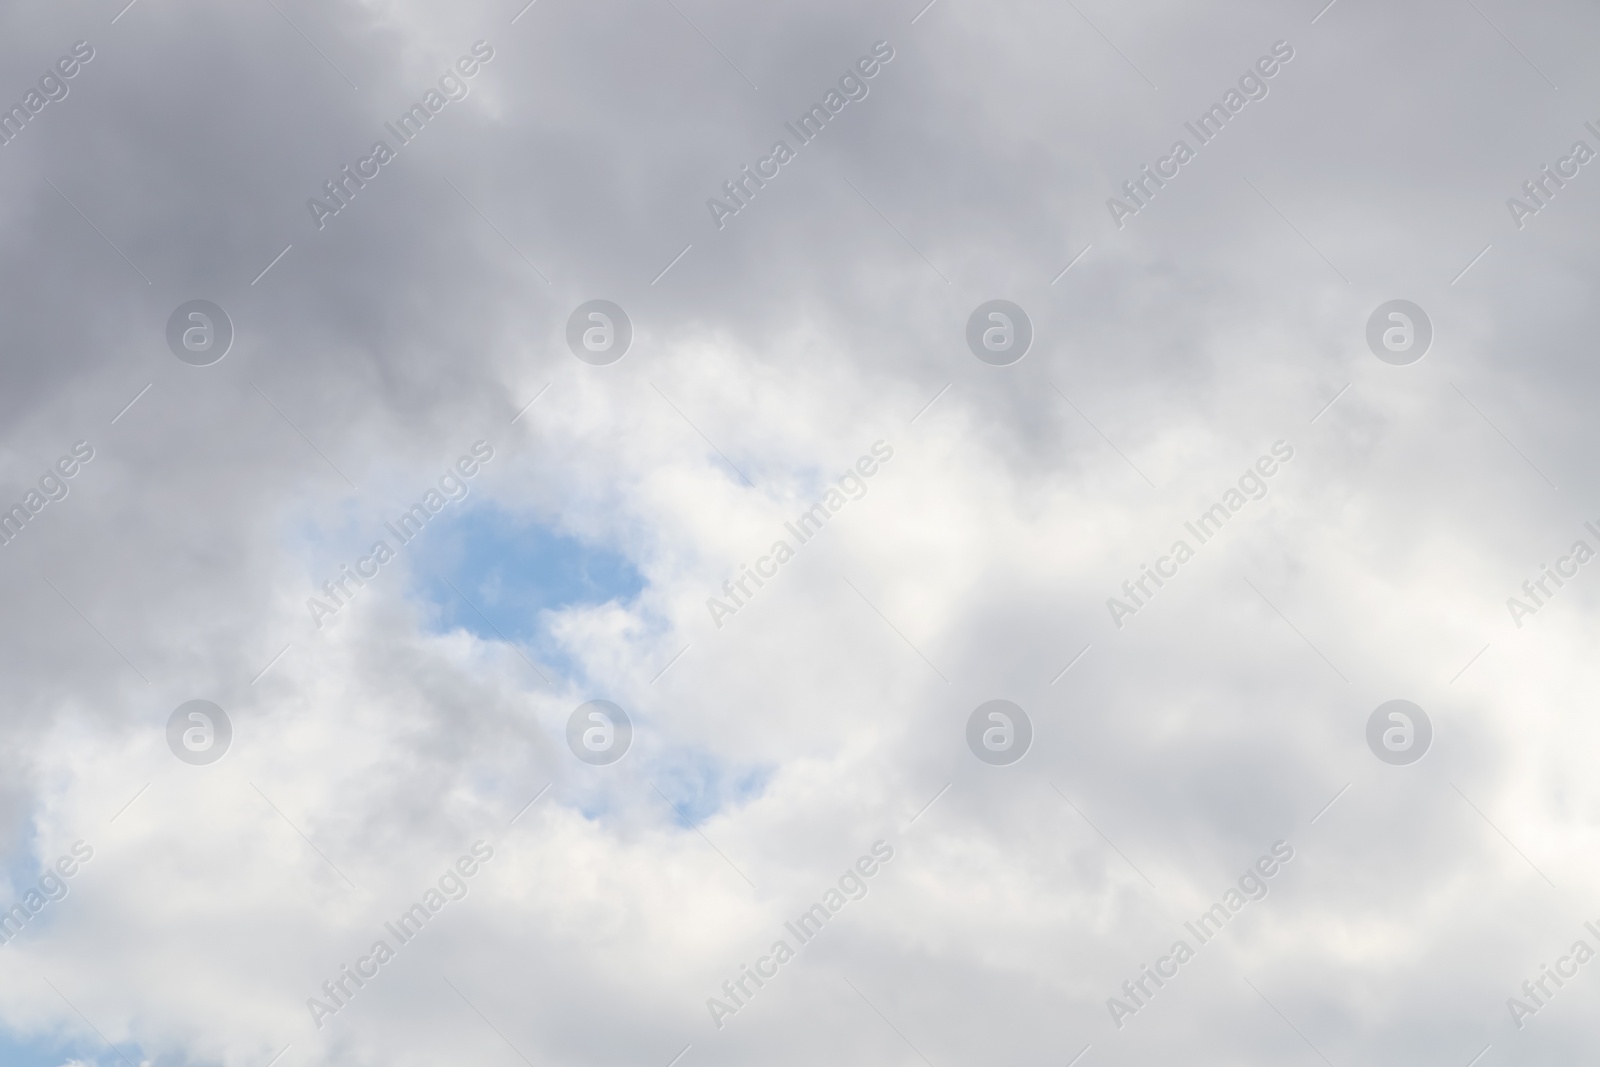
column 1377, row 502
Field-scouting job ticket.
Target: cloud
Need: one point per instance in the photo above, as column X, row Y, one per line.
column 830, row 712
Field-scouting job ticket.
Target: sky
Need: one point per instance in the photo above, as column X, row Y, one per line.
column 515, row 519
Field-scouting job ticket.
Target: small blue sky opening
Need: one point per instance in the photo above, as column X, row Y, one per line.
column 513, row 569
column 18, row 1051
column 699, row 786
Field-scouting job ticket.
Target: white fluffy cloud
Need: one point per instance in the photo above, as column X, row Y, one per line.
column 771, row 752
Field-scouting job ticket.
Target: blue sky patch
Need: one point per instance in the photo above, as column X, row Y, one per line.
column 512, row 569
column 47, row 1053
column 698, row 786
